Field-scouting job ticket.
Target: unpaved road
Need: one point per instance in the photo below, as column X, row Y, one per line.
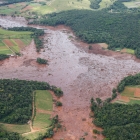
column 80, row 75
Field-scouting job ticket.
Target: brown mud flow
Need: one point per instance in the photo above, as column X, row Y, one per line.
column 81, row 75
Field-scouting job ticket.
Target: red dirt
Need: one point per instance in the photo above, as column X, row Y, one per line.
column 27, row 8
column 137, row 92
column 8, row 42
column 124, row 98
column 19, row 43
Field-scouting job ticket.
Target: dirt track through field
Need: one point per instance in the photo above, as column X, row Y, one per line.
column 80, row 74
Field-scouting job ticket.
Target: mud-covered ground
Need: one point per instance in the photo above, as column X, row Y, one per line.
column 80, row 74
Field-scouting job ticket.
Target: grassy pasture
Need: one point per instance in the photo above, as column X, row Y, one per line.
column 16, row 128
column 106, row 3
column 50, row 7
column 42, row 120
column 130, row 51
column 12, row 41
column 43, row 103
column 130, row 95
column 34, row 135
column 13, row 8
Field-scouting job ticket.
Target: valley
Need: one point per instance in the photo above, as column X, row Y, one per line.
column 80, row 74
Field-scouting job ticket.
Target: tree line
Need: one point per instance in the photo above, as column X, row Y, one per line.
column 119, row 121
column 7, row 2
column 36, row 34
column 118, row 30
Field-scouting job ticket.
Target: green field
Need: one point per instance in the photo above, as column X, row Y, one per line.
column 43, row 103
column 43, row 100
column 28, row 9
column 132, row 4
column 16, row 128
column 127, row 96
column 34, row 135
column 24, row 36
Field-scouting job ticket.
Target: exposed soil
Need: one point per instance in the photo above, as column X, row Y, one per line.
column 8, row 42
column 124, row 98
column 80, row 73
column 19, row 43
column 137, row 92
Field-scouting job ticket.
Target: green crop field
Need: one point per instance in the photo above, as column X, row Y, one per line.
column 16, row 128
column 7, row 37
column 44, row 7
column 44, row 107
column 43, row 100
column 34, row 135
column 42, row 120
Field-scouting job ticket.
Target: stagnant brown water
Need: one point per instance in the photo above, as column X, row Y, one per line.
column 80, row 75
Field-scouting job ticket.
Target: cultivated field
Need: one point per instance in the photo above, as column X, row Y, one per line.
column 16, row 128
column 42, row 119
column 12, row 42
column 44, row 107
column 130, row 95
column 28, row 9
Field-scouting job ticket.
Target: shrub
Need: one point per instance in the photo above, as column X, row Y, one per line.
column 58, row 103
column 41, row 61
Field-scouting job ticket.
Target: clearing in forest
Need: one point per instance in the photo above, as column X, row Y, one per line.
column 12, row 41
column 130, row 95
column 43, row 110
column 44, row 107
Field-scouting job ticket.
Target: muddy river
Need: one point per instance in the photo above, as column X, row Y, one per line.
column 81, row 75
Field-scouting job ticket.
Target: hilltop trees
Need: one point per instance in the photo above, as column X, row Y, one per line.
column 118, row 30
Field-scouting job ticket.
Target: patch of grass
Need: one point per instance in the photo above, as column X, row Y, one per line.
column 128, row 91
column 106, row 3
column 16, row 33
column 42, row 120
column 131, row 51
column 132, row 4
column 43, row 100
column 16, row 49
column 133, row 101
column 5, row 51
column 43, row 103
column 16, row 128
column 34, row 135
column 6, row 34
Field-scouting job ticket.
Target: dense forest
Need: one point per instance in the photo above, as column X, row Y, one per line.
column 16, row 99
column 119, row 121
column 119, row 30
column 35, row 35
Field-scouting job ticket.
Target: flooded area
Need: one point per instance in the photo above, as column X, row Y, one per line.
column 80, row 74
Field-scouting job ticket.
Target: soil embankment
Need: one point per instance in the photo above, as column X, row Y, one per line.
column 81, row 75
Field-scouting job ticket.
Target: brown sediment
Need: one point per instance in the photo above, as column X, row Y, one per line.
column 80, row 74
column 19, row 43
column 8, row 42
